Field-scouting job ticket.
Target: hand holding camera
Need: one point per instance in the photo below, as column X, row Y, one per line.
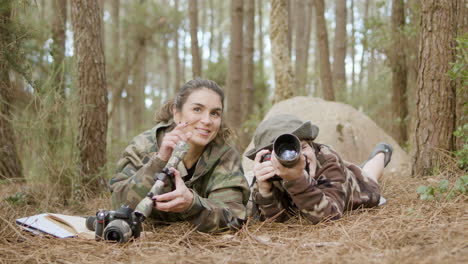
column 286, row 162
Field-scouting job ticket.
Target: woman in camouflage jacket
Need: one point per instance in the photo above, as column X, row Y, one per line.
column 210, row 189
column 320, row 186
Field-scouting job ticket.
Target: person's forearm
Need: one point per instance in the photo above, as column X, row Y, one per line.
column 209, row 216
column 129, row 186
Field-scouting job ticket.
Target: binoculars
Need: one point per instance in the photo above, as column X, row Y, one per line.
column 287, row 150
column 117, row 226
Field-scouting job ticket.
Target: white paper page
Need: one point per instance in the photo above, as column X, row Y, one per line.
column 40, row 222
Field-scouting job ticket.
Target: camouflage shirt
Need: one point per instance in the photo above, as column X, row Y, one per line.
column 337, row 186
column 218, row 184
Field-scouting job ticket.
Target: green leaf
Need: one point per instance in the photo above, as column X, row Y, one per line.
column 443, row 186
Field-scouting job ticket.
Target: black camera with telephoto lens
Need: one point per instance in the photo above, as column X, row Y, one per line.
column 119, row 225
column 287, row 150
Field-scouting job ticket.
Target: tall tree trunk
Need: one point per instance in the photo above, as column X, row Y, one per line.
column 167, row 71
column 435, row 114
column 220, row 33
column 399, row 73
column 91, row 82
column 261, row 90
column 137, row 89
column 284, row 76
column 116, row 119
column 339, row 53
column 58, row 48
column 234, row 83
column 290, row 26
column 302, row 47
column 309, row 21
column 364, row 44
column 322, row 39
column 212, row 26
column 56, row 117
column 248, row 93
column 101, row 11
column 184, row 57
column 461, row 87
column 353, row 50
column 10, row 164
column 178, row 77
column 196, row 60
column 260, row 38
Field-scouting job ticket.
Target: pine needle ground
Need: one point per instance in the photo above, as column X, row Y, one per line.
column 405, row 230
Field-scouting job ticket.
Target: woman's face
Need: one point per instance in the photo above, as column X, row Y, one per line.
column 202, row 112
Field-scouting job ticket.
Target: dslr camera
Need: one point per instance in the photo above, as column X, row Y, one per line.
column 287, row 150
column 119, row 225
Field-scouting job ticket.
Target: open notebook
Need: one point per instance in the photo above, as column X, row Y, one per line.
column 57, row 225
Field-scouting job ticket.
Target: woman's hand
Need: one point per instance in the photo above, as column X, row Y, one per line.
column 171, row 139
column 286, row 173
column 178, row 200
column 263, row 171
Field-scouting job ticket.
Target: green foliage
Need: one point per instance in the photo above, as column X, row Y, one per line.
column 460, row 66
column 462, row 154
column 217, row 71
column 18, row 198
column 443, row 189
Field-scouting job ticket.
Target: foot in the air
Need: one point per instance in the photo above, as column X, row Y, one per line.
column 384, row 148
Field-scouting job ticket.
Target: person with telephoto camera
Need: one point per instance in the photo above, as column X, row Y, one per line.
column 207, row 187
column 309, row 178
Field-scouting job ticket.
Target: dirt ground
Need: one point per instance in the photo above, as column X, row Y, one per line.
column 405, row 230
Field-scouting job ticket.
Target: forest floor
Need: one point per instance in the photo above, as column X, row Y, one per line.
column 404, row 230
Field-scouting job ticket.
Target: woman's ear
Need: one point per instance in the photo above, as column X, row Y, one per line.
column 175, row 114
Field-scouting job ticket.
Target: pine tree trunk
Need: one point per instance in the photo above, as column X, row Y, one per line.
column 290, row 26
column 184, row 57
column 10, row 164
column 220, row 14
column 55, row 119
column 178, row 77
column 59, row 26
column 435, row 114
column 167, row 71
column 339, row 53
column 212, row 26
column 260, row 38
column 301, row 47
column 399, row 73
column 284, row 76
column 248, row 69
column 115, row 119
column 91, row 83
column 364, row 44
column 136, row 91
column 353, row 50
column 461, row 87
column 260, row 91
column 324, row 58
column 234, row 83
column 196, row 60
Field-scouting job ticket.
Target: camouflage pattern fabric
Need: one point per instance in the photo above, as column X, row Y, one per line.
column 218, row 184
column 337, row 186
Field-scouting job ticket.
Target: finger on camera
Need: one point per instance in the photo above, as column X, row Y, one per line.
column 266, row 176
column 260, row 154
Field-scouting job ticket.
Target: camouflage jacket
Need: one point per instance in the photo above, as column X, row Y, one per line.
column 336, row 187
column 218, row 184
